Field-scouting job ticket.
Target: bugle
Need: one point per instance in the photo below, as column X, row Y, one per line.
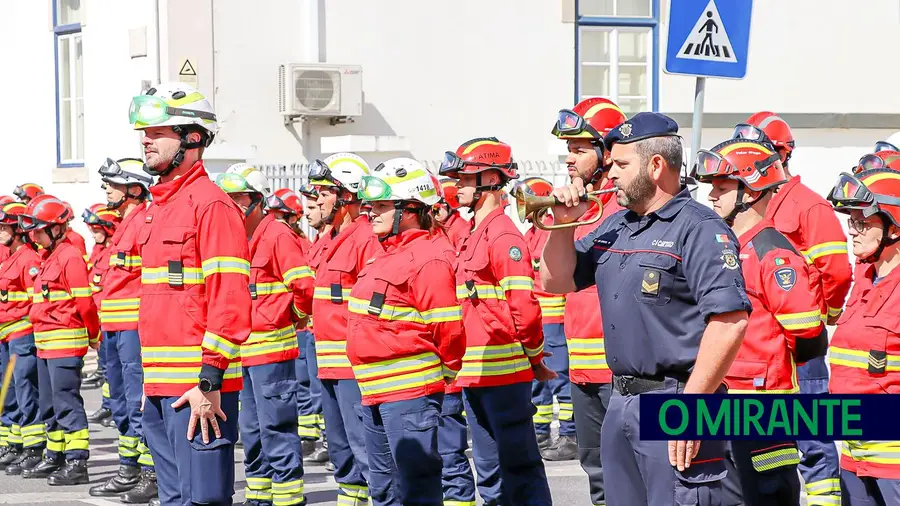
column 532, row 206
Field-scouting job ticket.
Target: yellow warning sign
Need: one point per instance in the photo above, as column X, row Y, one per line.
column 188, row 73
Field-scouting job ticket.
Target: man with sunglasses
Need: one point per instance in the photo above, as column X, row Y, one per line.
column 195, row 301
column 281, row 289
column 674, row 305
column 808, row 221
column 127, row 187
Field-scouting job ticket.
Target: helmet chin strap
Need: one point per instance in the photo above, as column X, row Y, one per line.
column 178, row 159
column 255, row 200
column 886, row 241
column 480, row 189
column 740, row 206
column 595, row 176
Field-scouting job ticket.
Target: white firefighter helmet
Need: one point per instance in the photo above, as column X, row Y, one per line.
column 344, row 170
column 401, row 179
column 173, row 104
column 244, row 178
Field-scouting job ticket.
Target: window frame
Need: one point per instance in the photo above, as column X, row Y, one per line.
column 67, row 32
column 610, row 23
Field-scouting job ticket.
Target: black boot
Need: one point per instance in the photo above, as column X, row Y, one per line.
column 27, row 460
column 125, row 480
column 318, row 456
column 566, row 448
column 94, row 380
column 47, row 467
column 145, row 491
column 109, row 422
column 75, row 473
column 329, row 466
column 8, row 455
column 544, row 441
column 154, row 502
column 308, row 446
column 99, row 415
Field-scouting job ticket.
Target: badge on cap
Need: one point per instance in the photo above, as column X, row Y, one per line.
column 729, row 260
column 786, row 278
column 625, row 130
column 650, row 284
column 515, row 253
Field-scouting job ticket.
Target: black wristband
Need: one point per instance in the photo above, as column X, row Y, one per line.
column 214, row 375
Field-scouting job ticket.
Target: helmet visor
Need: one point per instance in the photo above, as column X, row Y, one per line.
column 274, row 202
column 320, row 174
column 20, row 192
column 373, row 188
column 885, row 146
column 870, row 161
column 710, row 164
column 152, row 110
column 233, row 183
column 750, row 133
column 568, row 122
column 450, row 164
column 29, row 223
column 851, row 193
column 309, row 191
column 110, row 168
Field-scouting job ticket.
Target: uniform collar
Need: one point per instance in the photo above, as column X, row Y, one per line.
column 166, row 191
column 668, row 211
column 748, row 236
column 396, row 242
column 876, row 295
column 261, row 229
column 781, row 195
column 479, row 231
column 120, row 228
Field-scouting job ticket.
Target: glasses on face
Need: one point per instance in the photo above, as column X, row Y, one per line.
column 858, row 225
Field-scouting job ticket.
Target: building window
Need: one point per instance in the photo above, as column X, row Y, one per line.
column 617, row 51
column 68, row 16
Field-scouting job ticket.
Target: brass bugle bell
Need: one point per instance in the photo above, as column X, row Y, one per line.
column 535, row 207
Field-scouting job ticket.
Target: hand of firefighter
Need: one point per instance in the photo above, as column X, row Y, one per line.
column 832, row 320
column 542, row 372
column 682, row 452
column 570, row 207
column 205, row 407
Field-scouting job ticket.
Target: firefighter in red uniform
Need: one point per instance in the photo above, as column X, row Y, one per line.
column 4, row 250
column 447, row 217
column 504, row 339
column 324, row 233
column 404, row 338
column 17, row 274
column 786, row 324
column 865, row 347
column 26, row 192
column 65, row 323
column 10, row 428
column 583, row 128
column 807, row 220
column 354, row 245
column 552, row 312
column 127, row 187
column 195, row 302
column 281, row 289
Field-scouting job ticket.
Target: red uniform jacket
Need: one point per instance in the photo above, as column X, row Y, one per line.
column 281, row 286
column 441, row 242
column 495, row 284
column 62, row 311
column 786, row 323
column 77, row 241
column 457, row 229
column 583, row 323
column 17, row 274
column 122, row 287
column 553, row 306
column 809, row 222
column 4, row 253
column 342, row 259
column 195, row 296
column 405, row 330
column 98, row 265
column 865, row 359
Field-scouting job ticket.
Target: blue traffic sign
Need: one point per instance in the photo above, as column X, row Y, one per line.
column 709, row 38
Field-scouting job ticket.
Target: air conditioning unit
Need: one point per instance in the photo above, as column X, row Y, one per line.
column 320, row 90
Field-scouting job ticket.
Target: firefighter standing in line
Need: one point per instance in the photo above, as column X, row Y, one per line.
column 4, row 250
column 337, row 181
column 786, row 324
column 281, row 290
column 552, row 312
column 808, row 221
column 447, row 217
column 583, row 128
column 504, row 339
column 97, row 264
column 17, row 274
column 74, row 237
column 195, row 302
column 9, row 403
column 865, row 347
column 26, row 192
column 306, row 413
column 405, row 337
column 65, row 323
column 127, row 188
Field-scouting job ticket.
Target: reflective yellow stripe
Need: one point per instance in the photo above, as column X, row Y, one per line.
column 458, row 503
column 16, row 296
column 504, row 359
column 220, row 345
column 129, row 261
column 8, row 329
column 566, row 411
column 332, row 354
column 119, row 304
column 876, row 452
column 483, row 291
column 426, row 369
column 822, row 487
column 586, row 354
column 834, row 311
column 224, row 265
column 516, row 283
column 552, row 306
column 78, row 440
column 799, row 321
column 160, row 275
column 171, row 354
column 61, row 339
column 58, row 295
column 296, row 273
column 825, row 249
column 533, row 352
column 860, row 359
column 777, row 458
column 82, row 292
column 324, row 293
column 544, row 414
column 119, row 316
column 184, row 375
column 270, row 288
column 272, row 341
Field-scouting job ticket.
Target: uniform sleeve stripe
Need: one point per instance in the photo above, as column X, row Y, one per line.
column 222, row 265
column 297, row 273
column 217, row 344
column 825, row 249
column 796, row 321
column 516, row 283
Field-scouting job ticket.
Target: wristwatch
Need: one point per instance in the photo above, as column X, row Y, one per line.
column 206, row 385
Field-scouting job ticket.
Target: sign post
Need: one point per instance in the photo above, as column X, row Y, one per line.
column 707, row 39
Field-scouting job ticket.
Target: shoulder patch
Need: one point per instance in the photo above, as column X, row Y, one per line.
column 515, row 253
column 786, row 278
column 33, row 272
column 729, row 260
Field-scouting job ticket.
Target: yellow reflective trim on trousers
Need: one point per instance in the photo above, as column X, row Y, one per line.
column 774, row 459
column 459, row 503
column 120, row 304
column 105, row 390
column 146, row 460
column 799, row 321
column 258, row 495
column 287, row 493
column 483, row 292
column 225, row 265
column 160, row 275
column 257, row 483
column 859, row 359
column 262, row 343
column 220, row 345
column 826, row 486
column 544, row 414
column 184, row 375
column 824, row 500
column 34, row 430
column 296, row 273
column 516, row 283
column 78, row 440
column 16, row 326
column 566, row 411
column 824, row 249
column 358, row 491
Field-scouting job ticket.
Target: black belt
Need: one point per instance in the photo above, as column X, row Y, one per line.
column 635, row 385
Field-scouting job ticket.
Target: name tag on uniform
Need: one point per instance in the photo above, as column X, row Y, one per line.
column 650, row 284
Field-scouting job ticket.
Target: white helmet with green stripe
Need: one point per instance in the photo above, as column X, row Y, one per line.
column 400, row 179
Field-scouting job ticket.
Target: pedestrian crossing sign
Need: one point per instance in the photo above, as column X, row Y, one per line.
column 709, row 38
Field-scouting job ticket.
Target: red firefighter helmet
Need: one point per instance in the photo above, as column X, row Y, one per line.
column 286, row 201
column 9, row 213
column 28, row 191
column 873, row 191
column 537, row 186
column 45, row 212
column 753, row 163
column 774, row 130
column 309, row 191
column 478, row 155
column 879, row 160
column 591, row 118
column 30, row 206
column 449, row 191
column 6, row 199
column 98, row 215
